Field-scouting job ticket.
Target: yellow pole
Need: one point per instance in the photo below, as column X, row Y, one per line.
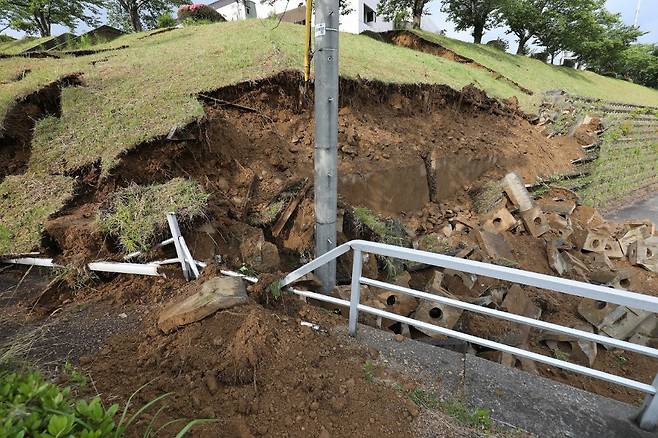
column 307, row 54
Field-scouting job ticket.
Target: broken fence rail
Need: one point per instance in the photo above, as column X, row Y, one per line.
column 184, row 257
column 648, row 416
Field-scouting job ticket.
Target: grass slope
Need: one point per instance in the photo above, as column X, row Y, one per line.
column 134, row 94
column 539, row 77
column 18, row 46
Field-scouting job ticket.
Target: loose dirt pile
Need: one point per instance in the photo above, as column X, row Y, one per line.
column 260, row 373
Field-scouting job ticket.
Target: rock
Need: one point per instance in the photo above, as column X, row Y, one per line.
column 439, row 314
column 555, row 259
column 516, row 192
column 580, row 350
column 517, row 301
column 398, row 338
column 494, row 245
column 255, row 252
column 535, row 221
column 211, row 383
column 215, row 294
column 498, row 220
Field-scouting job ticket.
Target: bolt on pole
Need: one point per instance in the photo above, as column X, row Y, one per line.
column 326, row 135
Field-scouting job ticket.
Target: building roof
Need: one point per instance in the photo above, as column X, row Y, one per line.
column 221, row 3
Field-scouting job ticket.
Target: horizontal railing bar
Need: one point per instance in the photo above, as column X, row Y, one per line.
column 605, row 340
column 570, row 287
column 321, row 297
column 489, row 344
column 312, row 266
column 513, row 350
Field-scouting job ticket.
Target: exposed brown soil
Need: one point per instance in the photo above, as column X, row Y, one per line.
column 410, row 40
column 18, row 125
column 87, row 52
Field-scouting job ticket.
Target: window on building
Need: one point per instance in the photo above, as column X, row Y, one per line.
column 369, row 15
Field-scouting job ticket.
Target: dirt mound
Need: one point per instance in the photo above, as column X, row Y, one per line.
column 303, row 383
column 245, row 351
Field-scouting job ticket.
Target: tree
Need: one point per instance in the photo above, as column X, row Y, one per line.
column 402, row 10
column 639, row 63
column 525, row 19
column 480, row 15
column 38, row 16
column 607, row 38
column 137, row 15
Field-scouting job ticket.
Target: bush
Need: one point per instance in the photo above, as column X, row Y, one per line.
column 33, row 407
column 199, row 12
column 499, row 44
column 165, row 20
column 30, row 406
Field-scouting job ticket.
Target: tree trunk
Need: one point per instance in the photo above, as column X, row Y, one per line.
column 42, row 24
column 417, row 13
column 522, row 42
column 478, row 32
column 134, row 19
column 552, row 57
column 416, row 22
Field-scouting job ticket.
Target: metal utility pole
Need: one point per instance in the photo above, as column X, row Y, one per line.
column 637, row 12
column 326, row 135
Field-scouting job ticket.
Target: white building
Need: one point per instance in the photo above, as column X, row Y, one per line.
column 362, row 16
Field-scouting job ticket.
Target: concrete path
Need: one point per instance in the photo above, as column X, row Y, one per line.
column 534, row 404
column 644, row 209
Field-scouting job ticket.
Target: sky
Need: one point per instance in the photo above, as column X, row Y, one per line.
column 648, row 21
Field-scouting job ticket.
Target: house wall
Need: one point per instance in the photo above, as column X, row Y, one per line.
column 352, row 22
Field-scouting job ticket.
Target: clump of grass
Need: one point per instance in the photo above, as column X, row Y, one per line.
column 26, row 202
column 485, row 199
column 368, row 371
column 478, row 418
column 387, row 231
column 14, row 350
column 137, row 214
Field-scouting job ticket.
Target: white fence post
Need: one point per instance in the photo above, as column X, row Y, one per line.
column 355, row 296
column 648, row 417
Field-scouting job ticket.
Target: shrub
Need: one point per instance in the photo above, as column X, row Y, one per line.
column 499, row 44
column 30, row 406
column 199, row 12
column 165, row 20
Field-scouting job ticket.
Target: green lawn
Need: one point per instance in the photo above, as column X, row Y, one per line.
column 17, row 46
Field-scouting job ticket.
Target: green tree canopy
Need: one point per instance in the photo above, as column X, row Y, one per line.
column 401, row 10
column 137, row 15
column 38, row 16
column 480, row 15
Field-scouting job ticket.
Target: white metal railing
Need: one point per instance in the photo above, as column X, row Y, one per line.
column 647, row 418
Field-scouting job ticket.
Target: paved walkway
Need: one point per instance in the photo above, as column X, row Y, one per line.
column 645, row 209
column 534, row 404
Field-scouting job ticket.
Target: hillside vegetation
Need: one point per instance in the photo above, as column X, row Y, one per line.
column 539, row 76
column 130, row 95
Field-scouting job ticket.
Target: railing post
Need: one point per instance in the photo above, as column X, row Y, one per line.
column 355, row 296
column 648, row 417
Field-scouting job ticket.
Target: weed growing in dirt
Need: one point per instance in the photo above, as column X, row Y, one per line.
column 137, row 214
column 621, row 359
column 561, row 355
column 74, row 376
column 275, row 290
column 368, row 371
column 478, row 418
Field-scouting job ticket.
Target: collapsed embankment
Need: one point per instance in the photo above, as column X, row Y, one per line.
column 414, row 153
